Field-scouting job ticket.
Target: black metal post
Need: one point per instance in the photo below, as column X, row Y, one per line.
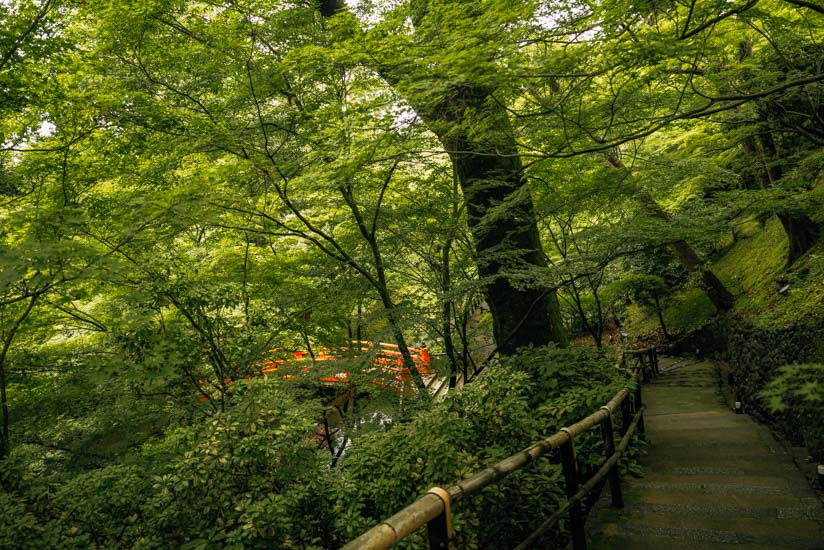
column 626, row 415
column 438, row 535
column 638, row 404
column 439, row 528
column 646, row 375
column 570, row 469
column 609, row 449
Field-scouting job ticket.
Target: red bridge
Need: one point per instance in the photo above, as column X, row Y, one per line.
column 384, row 356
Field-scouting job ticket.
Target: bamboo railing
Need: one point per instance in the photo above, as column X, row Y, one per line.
column 434, row 509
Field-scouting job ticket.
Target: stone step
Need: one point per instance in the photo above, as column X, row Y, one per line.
column 741, row 482
column 672, row 533
column 677, row 524
column 720, row 466
column 797, row 511
column 708, row 421
column 661, row 494
column 732, row 436
column 639, row 541
column 708, row 458
column 678, row 447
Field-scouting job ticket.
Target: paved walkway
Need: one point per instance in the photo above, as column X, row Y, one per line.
column 712, row 479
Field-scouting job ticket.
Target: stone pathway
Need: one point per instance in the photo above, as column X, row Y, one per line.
column 712, row 479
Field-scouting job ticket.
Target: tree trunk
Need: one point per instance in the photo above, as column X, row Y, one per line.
column 660, row 313
column 5, row 422
column 490, row 173
column 463, row 329
column 358, row 331
column 446, row 315
column 448, row 345
column 599, row 340
column 308, row 345
column 691, row 262
column 687, row 257
column 802, row 234
column 593, row 330
column 501, row 219
column 400, row 341
column 380, row 284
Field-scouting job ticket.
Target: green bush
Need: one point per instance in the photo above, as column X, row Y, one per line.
column 255, row 477
column 513, row 404
column 796, row 398
column 23, row 530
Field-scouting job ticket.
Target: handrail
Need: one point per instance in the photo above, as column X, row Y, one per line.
column 645, row 361
column 434, row 508
column 587, row 487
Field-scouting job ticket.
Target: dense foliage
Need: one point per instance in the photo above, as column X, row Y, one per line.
column 253, row 476
column 192, row 190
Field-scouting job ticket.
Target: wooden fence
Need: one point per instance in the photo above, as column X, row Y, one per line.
column 434, row 509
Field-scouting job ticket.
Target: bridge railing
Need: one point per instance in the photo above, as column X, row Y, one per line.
column 434, row 509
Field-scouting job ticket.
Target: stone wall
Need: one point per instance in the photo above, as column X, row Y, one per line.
column 756, row 353
column 706, row 341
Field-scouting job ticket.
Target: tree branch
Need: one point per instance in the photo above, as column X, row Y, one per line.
column 805, row 4
column 30, row 29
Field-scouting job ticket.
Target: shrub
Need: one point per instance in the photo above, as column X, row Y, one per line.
column 511, row 405
column 796, row 398
column 254, row 476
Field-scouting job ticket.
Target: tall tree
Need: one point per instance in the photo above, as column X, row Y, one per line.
column 689, row 259
column 463, row 111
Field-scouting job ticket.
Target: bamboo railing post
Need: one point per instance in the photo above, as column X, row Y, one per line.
column 638, row 404
column 641, row 367
column 570, row 470
column 609, row 449
column 647, row 366
column 626, row 415
column 439, row 528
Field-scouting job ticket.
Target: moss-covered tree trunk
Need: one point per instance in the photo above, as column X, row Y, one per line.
column 802, row 232
column 476, row 132
column 691, row 262
column 718, row 294
column 501, row 218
